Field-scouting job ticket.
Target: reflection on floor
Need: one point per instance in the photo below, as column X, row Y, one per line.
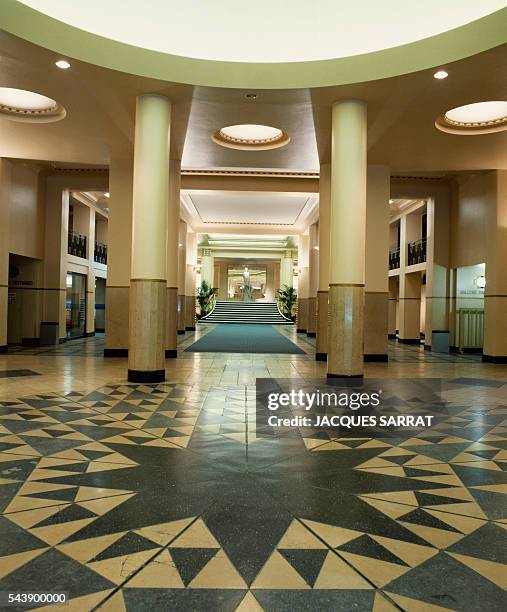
column 162, row 496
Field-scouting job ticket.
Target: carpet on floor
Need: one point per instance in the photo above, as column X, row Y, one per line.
column 239, row 338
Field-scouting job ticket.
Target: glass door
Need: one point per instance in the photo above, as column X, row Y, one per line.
column 76, row 305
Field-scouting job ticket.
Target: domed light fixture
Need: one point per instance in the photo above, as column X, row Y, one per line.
column 250, row 137
column 440, row 75
column 23, row 105
column 478, row 118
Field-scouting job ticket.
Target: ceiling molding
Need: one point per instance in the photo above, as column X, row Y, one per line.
column 261, row 173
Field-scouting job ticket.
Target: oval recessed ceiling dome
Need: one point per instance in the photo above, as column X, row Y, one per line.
column 477, row 118
column 266, row 30
column 250, row 136
column 23, row 105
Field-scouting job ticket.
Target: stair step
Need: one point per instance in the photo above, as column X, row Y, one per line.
column 247, row 313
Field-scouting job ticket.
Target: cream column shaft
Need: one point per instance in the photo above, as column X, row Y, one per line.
column 313, row 281
column 190, row 281
column 286, row 271
column 173, row 229
column 119, row 243
column 303, row 280
column 149, row 212
column 495, row 297
column 207, row 267
column 182, row 270
column 324, row 246
column 348, row 222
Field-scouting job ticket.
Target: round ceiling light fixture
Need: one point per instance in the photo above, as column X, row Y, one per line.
column 440, row 74
column 478, row 118
column 250, row 137
column 62, row 64
column 23, row 105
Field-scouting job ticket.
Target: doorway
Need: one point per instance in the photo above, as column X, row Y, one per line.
column 255, row 275
column 100, row 305
column 76, row 305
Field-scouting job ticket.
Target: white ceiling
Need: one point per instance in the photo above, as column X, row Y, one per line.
column 247, row 208
column 266, row 30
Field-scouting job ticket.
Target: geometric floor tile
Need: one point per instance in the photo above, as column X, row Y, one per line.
column 168, row 496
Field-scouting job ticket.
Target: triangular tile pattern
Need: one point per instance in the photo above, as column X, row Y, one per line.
column 79, row 484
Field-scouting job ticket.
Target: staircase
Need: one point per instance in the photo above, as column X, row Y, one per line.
column 246, row 313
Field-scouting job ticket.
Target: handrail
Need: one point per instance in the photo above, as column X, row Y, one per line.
column 280, row 312
column 416, row 252
column 214, row 299
column 394, row 258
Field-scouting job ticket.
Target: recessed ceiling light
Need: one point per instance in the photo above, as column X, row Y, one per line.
column 62, row 64
column 251, row 96
column 441, row 74
column 23, row 105
column 250, row 136
column 107, row 194
column 477, row 118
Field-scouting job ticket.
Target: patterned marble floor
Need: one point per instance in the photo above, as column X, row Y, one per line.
column 168, row 497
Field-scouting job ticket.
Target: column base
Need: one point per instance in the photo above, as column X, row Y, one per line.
column 116, row 352
column 30, row 341
column 301, row 331
column 427, row 347
column 190, row 328
column 329, row 375
column 494, row 358
column 181, row 332
column 89, row 334
column 321, row 324
column 171, row 353
column 3, row 348
column 320, row 356
column 311, row 334
column 143, row 376
column 391, row 336
column 147, row 305
column 345, row 344
column 380, row 357
column 409, row 340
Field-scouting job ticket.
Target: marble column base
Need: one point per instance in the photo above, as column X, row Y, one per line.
column 181, row 314
column 190, row 312
column 346, row 331
column 495, row 329
column 311, row 326
column 171, row 331
column 321, row 326
column 116, row 338
column 302, row 316
column 147, row 315
column 376, row 307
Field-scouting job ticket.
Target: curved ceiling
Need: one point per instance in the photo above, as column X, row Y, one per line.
column 267, row 44
column 266, row 30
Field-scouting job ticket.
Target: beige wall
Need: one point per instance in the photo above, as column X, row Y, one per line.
column 475, row 196
column 26, row 226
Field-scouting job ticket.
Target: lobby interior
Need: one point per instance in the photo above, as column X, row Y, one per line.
column 136, row 163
